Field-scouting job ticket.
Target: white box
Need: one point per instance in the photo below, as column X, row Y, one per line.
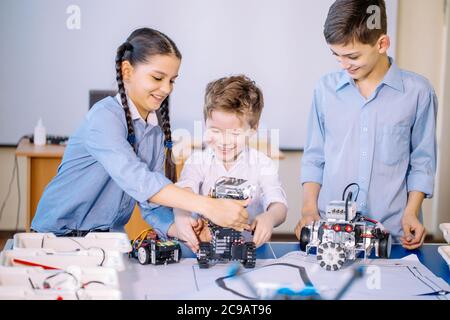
column 445, row 227
column 71, row 278
column 110, row 241
column 20, row 293
column 49, row 258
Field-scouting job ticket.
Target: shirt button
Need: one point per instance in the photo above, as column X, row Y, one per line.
column 363, row 204
column 363, row 179
column 364, row 153
column 365, row 129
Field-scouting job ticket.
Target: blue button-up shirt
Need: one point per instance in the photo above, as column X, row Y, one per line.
column 385, row 143
column 101, row 177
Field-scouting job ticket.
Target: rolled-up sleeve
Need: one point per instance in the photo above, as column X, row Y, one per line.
column 106, row 142
column 313, row 159
column 159, row 218
column 422, row 168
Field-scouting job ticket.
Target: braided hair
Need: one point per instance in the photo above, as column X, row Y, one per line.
column 139, row 47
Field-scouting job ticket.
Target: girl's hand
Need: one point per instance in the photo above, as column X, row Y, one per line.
column 262, row 227
column 186, row 225
column 309, row 215
column 414, row 231
column 227, row 213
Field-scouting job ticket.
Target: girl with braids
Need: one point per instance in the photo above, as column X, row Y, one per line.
column 119, row 154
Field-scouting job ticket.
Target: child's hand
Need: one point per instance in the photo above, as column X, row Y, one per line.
column 414, row 232
column 202, row 231
column 309, row 215
column 262, row 226
column 186, row 225
column 228, row 213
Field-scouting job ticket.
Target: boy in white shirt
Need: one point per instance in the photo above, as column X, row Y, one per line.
column 232, row 110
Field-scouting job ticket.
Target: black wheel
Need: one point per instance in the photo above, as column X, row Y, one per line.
column 358, row 233
column 203, row 255
column 143, row 255
column 305, row 236
column 249, row 260
column 384, row 247
column 177, row 254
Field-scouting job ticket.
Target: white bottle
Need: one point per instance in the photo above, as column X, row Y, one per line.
column 40, row 135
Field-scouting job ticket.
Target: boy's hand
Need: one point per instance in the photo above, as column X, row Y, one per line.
column 309, row 215
column 202, row 231
column 186, row 225
column 262, row 227
column 414, row 231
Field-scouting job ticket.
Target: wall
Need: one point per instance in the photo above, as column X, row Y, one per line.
column 420, row 45
column 419, row 48
column 441, row 209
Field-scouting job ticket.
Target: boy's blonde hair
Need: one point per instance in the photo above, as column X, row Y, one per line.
column 235, row 94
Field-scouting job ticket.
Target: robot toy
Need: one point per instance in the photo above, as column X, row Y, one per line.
column 228, row 244
column 149, row 249
column 343, row 235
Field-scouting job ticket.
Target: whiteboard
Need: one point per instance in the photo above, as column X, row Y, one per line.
column 48, row 69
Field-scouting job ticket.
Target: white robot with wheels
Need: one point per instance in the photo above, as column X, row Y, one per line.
column 343, row 235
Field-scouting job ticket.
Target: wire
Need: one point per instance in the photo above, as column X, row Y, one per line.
column 31, row 283
column 346, row 188
column 18, row 193
column 371, row 220
column 84, row 285
column 9, row 187
column 46, row 285
column 83, row 247
column 349, row 197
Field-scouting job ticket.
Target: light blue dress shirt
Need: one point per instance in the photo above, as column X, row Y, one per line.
column 386, row 143
column 101, row 177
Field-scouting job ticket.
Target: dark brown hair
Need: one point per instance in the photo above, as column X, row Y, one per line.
column 140, row 46
column 236, row 94
column 348, row 21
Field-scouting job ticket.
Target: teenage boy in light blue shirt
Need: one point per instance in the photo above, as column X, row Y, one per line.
column 371, row 123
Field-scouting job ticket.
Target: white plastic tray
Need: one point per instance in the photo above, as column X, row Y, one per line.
column 444, row 251
column 20, row 293
column 71, row 278
column 445, row 228
column 111, row 241
column 50, row 258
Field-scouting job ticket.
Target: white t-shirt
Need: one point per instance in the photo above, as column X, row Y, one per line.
column 203, row 168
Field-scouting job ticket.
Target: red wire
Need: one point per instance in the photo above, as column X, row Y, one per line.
column 33, row 264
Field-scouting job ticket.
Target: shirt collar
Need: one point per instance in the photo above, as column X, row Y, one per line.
column 393, row 78
column 151, row 118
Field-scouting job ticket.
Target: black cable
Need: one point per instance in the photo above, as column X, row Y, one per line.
column 31, row 283
column 84, row 285
column 46, row 285
column 83, row 247
column 9, row 187
column 346, row 188
column 18, row 194
column 349, row 197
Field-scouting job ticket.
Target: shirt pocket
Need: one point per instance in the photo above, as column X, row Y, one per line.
column 394, row 144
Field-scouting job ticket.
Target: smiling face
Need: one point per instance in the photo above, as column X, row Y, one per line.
column 360, row 60
column 227, row 134
column 148, row 84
